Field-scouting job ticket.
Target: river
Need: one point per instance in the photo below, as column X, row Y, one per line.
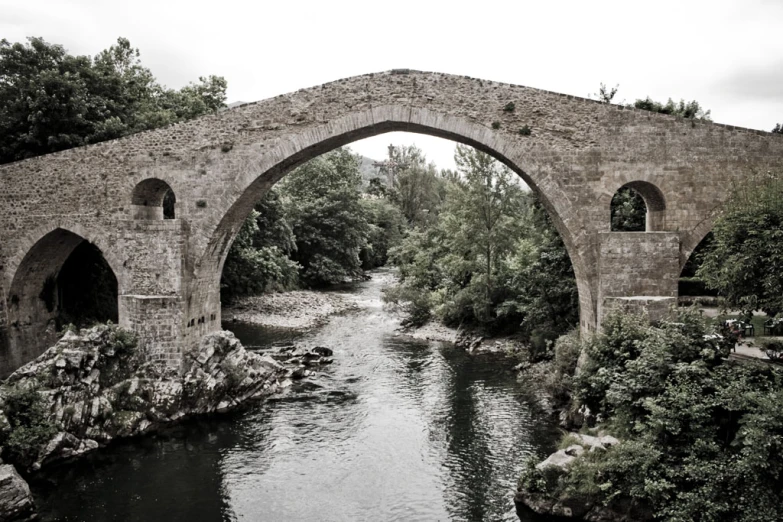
column 395, row 429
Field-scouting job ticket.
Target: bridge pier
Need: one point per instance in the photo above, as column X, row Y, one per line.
column 638, row 273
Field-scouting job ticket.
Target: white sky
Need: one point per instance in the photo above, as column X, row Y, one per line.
column 727, row 54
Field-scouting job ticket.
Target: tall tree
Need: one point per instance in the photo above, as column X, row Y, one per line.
column 322, row 202
column 415, row 186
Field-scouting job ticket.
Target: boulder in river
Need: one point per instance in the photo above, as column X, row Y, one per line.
column 16, row 502
column 323, row 351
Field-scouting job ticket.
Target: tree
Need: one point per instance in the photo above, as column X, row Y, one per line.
column 386, row 227
column 51, row 100
column 415, row 186
column 629, row 213
column 778, row 128
column 606, row 94
column 259, row 259
column 745, row 262
column 701, row 437
column 323, row 204
column 543, row 297
column 458, row 267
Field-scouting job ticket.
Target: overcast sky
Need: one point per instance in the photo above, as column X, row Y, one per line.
column 727, row 54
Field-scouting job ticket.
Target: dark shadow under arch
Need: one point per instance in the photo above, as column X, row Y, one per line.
column 58, row 281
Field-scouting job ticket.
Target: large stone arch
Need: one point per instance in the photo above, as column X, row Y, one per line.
column 256, row 178
column 578, row 154
column 29, row 302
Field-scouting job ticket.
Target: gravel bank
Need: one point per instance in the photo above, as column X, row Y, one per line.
column 299, row 309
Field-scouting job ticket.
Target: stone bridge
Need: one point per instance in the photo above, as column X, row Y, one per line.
column 579, row 153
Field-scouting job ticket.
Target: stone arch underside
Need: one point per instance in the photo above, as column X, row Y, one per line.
column 257, row 178
column 31, row 300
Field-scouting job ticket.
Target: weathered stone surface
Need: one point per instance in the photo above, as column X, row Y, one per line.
column 16, row 502
column 579, row 154
column 104, row 392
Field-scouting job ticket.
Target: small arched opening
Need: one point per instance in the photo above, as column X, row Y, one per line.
column 153, row 199
column 637, row 206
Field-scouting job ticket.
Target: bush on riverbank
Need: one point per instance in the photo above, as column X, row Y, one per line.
column 702, row 435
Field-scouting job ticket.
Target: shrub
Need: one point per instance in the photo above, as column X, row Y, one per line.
column 773, row 349
column 525, row 131
column 703, row 434
column 30, row 426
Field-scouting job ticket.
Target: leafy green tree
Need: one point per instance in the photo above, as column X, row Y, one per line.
column 745, row 262
column 629, row 213
column 701, row 435
column 479, row 222
column 255, row 264
column 386, row 227
column 416, row 187
column 323, row 204
column 542, row 294
column 458, row 267
column 51, row 100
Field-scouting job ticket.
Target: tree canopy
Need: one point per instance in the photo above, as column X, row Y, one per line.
column 745, row 260
column 51, row 100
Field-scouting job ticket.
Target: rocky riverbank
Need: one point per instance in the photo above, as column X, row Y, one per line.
column 298, row 309
column 535, row 497
column 95, row 386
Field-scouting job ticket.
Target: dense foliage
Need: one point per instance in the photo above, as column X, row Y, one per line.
column 491, row 258
column 702, row 436
column 629, row 212
column 744, row 262
column 315, row 228
column 51, row 100
column 322, row 201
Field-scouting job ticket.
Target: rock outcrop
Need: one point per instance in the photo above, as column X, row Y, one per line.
column 96, row 386
column 16, row 503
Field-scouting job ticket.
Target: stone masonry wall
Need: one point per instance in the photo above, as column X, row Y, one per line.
column 644, row 266
column 579, row 153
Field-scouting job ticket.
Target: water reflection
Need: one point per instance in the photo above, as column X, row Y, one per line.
column 393, row 430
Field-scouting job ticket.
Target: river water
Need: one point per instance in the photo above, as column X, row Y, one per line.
column 395, row 429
